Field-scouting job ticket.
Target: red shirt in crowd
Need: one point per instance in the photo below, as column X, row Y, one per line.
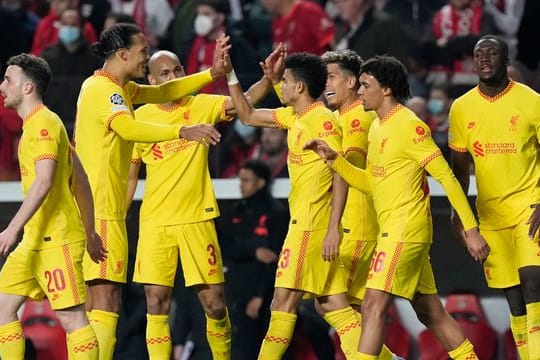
column 307, row 28
column 47, row 33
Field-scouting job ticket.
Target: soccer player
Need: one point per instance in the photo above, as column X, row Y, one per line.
column 309, row 262
column 104, row 134
column 400, row 151
column 178, row 169
column 359, row 220
column 48, row 260
column 497, row 124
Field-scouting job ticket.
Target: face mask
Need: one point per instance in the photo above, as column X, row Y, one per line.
column 243, row 130
column 203, row 25
column 435, row 106
column 68, row 34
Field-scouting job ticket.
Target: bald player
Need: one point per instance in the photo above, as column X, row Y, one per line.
column 178, row 211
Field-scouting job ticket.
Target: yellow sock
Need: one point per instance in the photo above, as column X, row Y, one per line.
column 533, row 330
column 348, row 327
column 279, row 335
column 12, row 341
column 465, row 351
column 83, row 344
column 104, row 324
column 158, row 337
column 518, row 324
column 218, row 334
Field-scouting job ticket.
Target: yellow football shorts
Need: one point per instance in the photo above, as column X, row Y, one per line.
column 401, row 269
column 356, row 256
column 196, row 244
column 53, row 272
column 510, row 250
column 114, row 237
column 301, row 265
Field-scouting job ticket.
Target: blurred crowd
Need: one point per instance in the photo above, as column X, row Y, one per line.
column 434, row 38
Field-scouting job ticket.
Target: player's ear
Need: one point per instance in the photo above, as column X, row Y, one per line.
column 352, row 82
column 151, row 79
column 387, row 91
column 122, row 54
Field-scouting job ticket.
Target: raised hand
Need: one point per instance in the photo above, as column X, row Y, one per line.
column 322, row 149
column 222, row 49
column 202, row 133
column 273, row 65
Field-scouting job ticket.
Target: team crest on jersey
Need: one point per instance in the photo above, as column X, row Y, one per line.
column 514, row 122
column 116, row 99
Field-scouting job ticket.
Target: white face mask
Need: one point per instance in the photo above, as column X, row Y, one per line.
column 203, row 25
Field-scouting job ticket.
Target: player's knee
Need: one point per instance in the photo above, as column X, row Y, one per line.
column 430, row 314
column 530, row 284
column 72, row 319
column 157, row 304
column 373, row 311
column 214, row 307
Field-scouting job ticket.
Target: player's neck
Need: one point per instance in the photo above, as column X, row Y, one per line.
column 302, row 104
column 386, row 107
column 115, row 69
column 494, row 87
column 353, row 97
column 26, row 107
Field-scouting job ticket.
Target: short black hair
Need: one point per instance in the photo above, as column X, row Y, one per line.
column 115, row 38
column 259, row 168
column 348, row 60
column 310, row 69
column 220, row 6
column 502, row 44
column 390, row 73
column 35, row 68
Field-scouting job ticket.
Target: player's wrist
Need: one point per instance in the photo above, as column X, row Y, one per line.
column 231, row 78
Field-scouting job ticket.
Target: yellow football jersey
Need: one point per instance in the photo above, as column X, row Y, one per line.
column 359, row 220
column 104, row 154
column 400, row 150
column 57, row 220
column 178, row 186
column 311, row 180
column 501, row 134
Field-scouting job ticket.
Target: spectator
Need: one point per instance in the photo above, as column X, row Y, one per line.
column 152, row 16
column 507, row 16
column 274, row 151
column 95, row 11
column 71, row 61
column 439, row 106
column 251, row 236
column 10, row 132
column 47, row 30
column 240, row 143
column 455, row 29
column 303, row 26
column 369, row 32
column 17, row 24
column 211, row 21
column 418, row 105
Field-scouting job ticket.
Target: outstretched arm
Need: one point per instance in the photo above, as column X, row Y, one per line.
column 354, row 176
column 439, row 169
column 460, row 167
column 247, row 113
column 176, row 89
